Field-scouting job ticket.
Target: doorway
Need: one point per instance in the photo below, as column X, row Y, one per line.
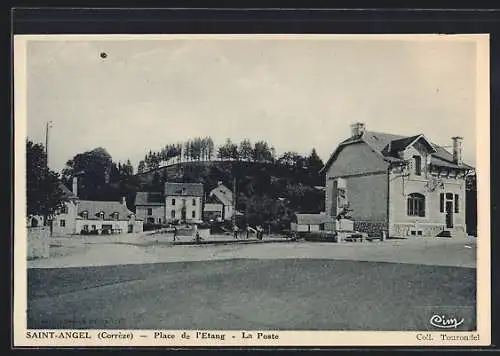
column 449, row 214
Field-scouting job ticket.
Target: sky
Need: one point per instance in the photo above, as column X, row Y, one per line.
column 294, row 93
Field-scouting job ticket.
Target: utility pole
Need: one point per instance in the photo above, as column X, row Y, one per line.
column 234, row 200
column 47, row 127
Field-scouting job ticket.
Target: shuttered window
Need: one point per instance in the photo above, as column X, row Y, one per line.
column 457, row 206
column 441, row 202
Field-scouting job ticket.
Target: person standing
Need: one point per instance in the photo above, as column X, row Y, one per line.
column 235, row 231
column 175, row 232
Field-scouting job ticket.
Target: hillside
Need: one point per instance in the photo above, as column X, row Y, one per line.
column 267, row 192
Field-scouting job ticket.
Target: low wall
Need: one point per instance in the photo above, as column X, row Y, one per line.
column 38, row 242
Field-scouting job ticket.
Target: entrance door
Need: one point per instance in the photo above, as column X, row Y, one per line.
column 449, row 214
column 183, row 214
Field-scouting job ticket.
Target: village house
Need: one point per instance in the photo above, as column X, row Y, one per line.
column 150, row 207
column 180, row 202
column 397, row 185
column 94, row 217
column 221, row 199
column 183, row 202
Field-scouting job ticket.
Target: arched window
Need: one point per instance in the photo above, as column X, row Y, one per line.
column 416, row 205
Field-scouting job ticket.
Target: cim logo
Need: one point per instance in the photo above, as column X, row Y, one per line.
column 445, row 322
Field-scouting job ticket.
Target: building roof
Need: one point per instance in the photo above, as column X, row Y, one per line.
column 184, row 189
column 93, row 208
column 213, row 207
column 312, row 219
column 149, row 198
column 389, row 145
column 223, row 194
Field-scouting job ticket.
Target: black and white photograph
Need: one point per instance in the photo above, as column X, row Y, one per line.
column 252, row 190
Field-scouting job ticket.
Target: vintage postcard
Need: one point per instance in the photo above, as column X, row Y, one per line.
column 252, row 190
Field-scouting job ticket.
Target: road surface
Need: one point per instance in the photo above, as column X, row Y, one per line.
column 246, row 294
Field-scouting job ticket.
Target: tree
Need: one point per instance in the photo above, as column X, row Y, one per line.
column 44, row 194
column 93, row 168
column 246, row 150
column 210, row 148
column 141, row 168
column 314, row 163
column 228, row 150
column 262, row 152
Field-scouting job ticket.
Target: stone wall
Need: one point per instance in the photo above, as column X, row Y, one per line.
column 38, row 242
column 372, row 228
column 423, row 229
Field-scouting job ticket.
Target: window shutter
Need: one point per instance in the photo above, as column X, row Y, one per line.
column 457, row 208
column 441, row 202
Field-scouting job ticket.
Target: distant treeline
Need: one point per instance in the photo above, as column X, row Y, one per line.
column 203, row 149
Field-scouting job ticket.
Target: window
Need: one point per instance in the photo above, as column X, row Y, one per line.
column 62, row 223
column 94, row 228
column 116, row 216
column 441, row 202
column 64, row 209
column 159, row 220
column 418, row 165
column 150, row 211
column 85, row 215
column 193, row 214
column 172, row 214
column 194, row 202
column 173, row 201
column 457, row 208
column 449, row 196
column 85, row 228
column 101, row 215
column 416, row 205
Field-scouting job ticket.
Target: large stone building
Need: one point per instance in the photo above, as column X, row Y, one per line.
column 401, row 185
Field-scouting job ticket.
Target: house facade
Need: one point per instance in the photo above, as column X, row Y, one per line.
column 401, row 185
column 95, row 217
column 183, row 202
column 65, row 219
column 150, row 207
column 224, row 196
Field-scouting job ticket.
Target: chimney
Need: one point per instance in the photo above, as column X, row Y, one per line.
column 457, row 149
column 124, row 201
column 357, row 129
column 75, row 186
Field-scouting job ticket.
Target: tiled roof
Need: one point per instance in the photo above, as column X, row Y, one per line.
column 149, row 198
column 313, row 219
column 388, row 145
column 223, row 194
column 93, row 208
column 184, row 189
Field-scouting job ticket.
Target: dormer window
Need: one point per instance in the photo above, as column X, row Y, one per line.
column 418, row 165
column 85, row 215
column 101, row 215
column 115, row 216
